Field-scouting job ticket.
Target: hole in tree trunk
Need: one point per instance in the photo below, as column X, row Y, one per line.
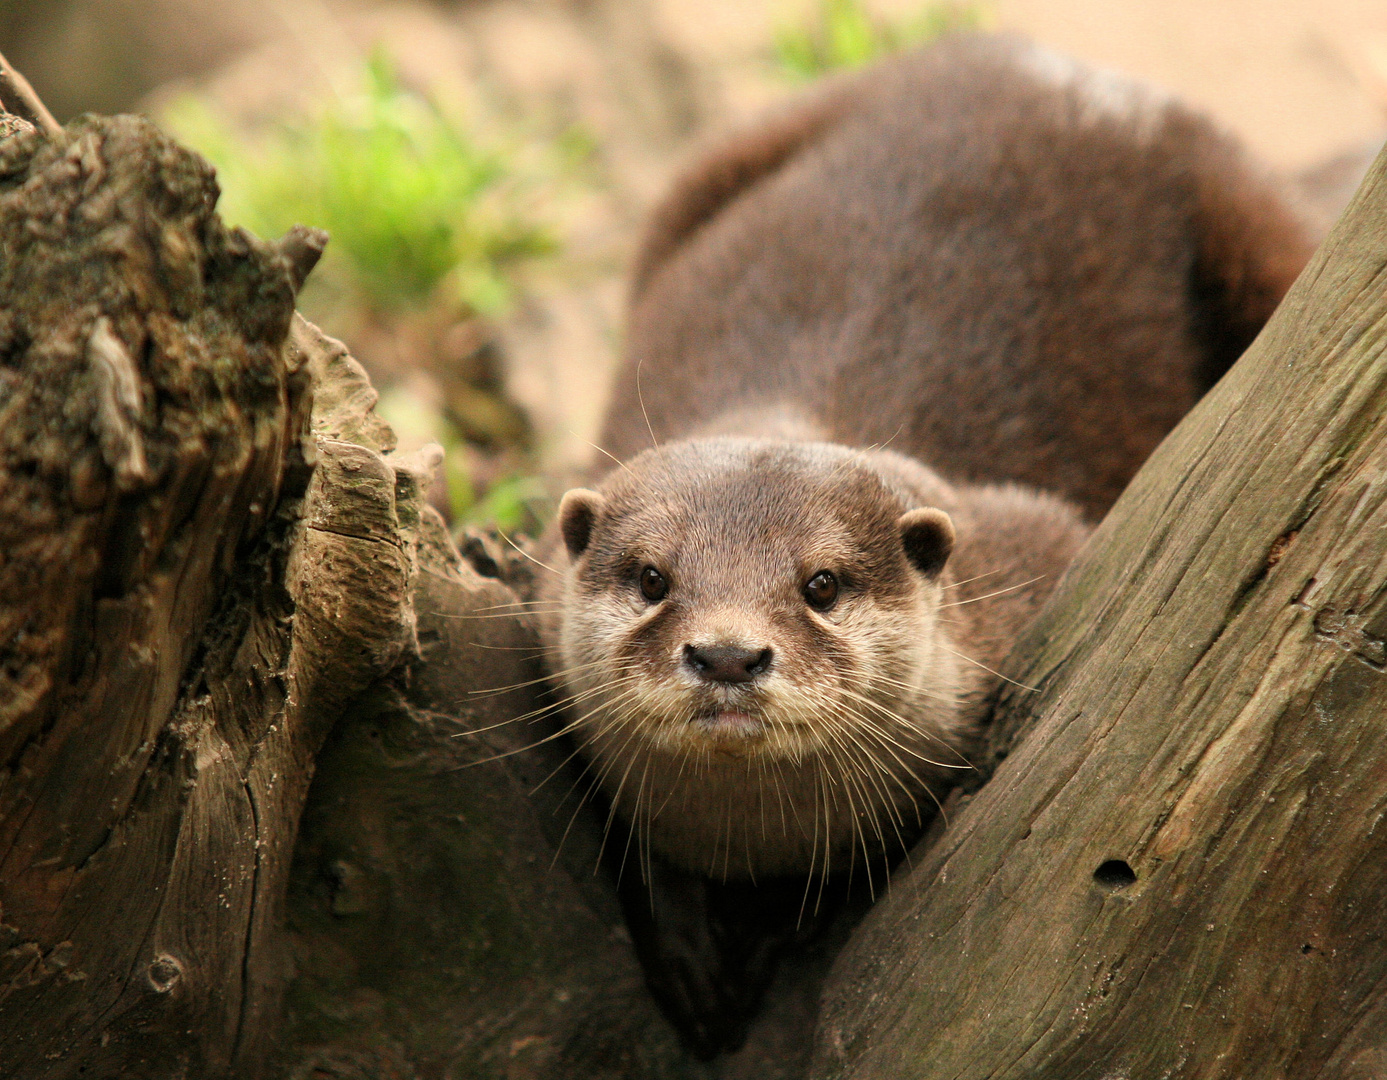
column 1114, row 874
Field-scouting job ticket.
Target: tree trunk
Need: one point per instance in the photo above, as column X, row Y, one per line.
column 1179, row 868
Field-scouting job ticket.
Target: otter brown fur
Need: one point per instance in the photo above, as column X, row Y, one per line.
column 748, row 727
column 853, row 332
column 777, row 654
column 981, row 254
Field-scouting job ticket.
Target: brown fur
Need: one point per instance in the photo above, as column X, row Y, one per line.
column 888, row 684
column 980, row 255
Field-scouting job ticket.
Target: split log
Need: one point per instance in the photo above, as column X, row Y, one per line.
column 1179, row 868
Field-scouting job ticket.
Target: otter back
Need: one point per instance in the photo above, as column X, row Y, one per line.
column 981, row 255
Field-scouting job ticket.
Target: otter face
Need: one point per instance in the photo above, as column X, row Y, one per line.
column 742, row 609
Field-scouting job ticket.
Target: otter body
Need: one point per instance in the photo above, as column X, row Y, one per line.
column 854, row 332
column 981, row 255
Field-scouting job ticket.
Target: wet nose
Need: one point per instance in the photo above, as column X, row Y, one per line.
column 726, row 663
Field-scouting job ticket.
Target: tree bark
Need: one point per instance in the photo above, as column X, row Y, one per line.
column 1178, row 869
column 210, row 559
column 168, row 676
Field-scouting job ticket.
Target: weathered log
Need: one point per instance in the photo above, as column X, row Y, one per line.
column 1178, row 869
column 167, row 675
column 199, row 580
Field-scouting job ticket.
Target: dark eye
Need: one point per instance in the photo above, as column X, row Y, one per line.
column 822, row 590
column 653, row 584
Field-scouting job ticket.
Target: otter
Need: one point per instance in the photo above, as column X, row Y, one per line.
column 778, row 653
column 890, row 354
column 774, row 665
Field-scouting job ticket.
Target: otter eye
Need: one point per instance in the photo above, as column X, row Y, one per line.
column 822, row 590
column 653, row 584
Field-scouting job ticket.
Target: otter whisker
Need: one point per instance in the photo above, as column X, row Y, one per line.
column 950, row 699
column 727, row 836
column 541, row 679
column 510, row 604
column 584, row 774
column 551, row 707
column 599, row 449
column 640, row 396
column 782, row 789
column 890, row 744
column 519, row 749
column 673, row 787
column 851, row 746
column 495, row 615
column 539, row 713
column 576, row 752
column 862, row 453
column 828, row 841
column 635, row 822
column 905, row 725
column 525, row 553
column 616, row 801
column 597, row 776
column 927, row 789
column 975, row 577
column 596, row 780
column 858, row 837
column 535, row 651
column 874, row 770
column 998, row 592
column 979, row 663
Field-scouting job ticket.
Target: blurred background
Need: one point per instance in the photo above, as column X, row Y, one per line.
column 483, row 166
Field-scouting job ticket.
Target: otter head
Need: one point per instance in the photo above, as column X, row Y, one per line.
column 748, row 604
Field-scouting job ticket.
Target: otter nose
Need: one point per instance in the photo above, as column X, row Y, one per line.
column 726, row 663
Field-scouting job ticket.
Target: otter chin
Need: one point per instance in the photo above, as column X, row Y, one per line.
column 730, row 731
column 751, row 636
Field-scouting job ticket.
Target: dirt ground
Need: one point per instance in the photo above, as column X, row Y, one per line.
column 1298, row 80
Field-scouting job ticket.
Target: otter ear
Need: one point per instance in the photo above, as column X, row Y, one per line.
column 577, row 511
column 928, row 537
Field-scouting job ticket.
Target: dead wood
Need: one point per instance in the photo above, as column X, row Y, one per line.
column 151, row 447
column 1178, row 869
column 210, row 559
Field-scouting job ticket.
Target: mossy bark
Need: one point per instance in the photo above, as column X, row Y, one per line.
column 1178, row 869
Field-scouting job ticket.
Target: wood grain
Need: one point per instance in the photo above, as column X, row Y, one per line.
column 1213, row 682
